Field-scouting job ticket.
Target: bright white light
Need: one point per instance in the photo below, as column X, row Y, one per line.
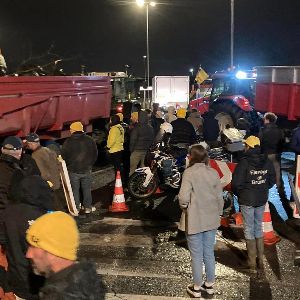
column 241, row 75
column 152, row 3
column 140, row 2
column 191, row 70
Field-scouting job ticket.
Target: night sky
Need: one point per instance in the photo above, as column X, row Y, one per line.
column 107, row 34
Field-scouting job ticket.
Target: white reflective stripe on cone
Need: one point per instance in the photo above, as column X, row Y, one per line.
column 119, row 198
column 267, row 207
column 118, row 183
column 267, row 227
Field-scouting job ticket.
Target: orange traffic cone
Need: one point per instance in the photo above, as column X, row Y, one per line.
column 224, row 221
column 118, row 204
column 158, row 191
column 269, row 236
column 238, row 218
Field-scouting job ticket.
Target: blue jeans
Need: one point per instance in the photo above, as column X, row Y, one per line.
column 83, row 181
column 201, row 246
column 252, row 218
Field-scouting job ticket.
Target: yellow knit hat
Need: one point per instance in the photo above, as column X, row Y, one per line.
column 76, row 126
column 55, row 233
column 252, row 141
column 120, row 115
column 181, row 113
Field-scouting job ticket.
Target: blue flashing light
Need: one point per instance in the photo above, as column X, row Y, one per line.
column 241, row 75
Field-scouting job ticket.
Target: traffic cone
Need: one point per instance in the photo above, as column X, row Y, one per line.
column 158, row 191
column 118, row 204
column 224, row 221
column 269, row 236
column 238, row 218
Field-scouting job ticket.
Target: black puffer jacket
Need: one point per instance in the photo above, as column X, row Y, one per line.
column 271, row 139
column 36, row 200
column 78, row 282
column 80, row 153
column 183, row 132
column 252, row 178
column 9, row 168
column 142, row 135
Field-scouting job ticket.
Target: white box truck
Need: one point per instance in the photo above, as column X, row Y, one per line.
column 171, row 90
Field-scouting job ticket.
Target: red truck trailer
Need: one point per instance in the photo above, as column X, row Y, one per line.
column 47, row 105
column 278, row 91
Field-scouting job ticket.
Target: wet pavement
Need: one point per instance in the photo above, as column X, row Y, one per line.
column 139, row 257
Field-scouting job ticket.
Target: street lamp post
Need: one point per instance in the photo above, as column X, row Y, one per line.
column 142, row 3
column 232, row 34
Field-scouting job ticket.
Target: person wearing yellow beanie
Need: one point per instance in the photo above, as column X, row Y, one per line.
column 80, row 153
column 181, row 113
column 252, row 178
column 183, row 133
column 76, row 127
column 53, row 242
column 55, row 233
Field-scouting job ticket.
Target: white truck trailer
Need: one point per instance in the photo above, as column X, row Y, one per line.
column 171, row 90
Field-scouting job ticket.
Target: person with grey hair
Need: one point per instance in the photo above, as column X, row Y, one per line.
column 272, row 140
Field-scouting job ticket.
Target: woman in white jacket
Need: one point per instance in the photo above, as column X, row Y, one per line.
column 200, row 198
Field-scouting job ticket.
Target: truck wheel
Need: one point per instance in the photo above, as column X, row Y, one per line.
column 236, row 113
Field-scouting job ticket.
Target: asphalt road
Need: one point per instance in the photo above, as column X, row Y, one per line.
column 139, row 257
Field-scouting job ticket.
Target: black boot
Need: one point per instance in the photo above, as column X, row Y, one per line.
column 260, row 253
column 251, row 249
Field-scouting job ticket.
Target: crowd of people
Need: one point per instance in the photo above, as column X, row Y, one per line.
column 40, row 240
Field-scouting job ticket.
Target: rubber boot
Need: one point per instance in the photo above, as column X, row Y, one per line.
column 260, row 253
column 251, row 249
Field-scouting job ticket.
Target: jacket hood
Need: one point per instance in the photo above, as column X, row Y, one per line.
column 171, row 110
column 195, row 114
column 36, row 191
column 255, row 158
column 143, row 117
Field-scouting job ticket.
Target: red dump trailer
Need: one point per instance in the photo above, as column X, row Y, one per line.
column 278, row 91
column 47, row 105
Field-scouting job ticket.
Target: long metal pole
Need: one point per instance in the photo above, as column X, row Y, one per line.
column 232, row 35
column 148, row 55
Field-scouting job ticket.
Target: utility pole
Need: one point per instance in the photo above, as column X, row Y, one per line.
column 232, row 35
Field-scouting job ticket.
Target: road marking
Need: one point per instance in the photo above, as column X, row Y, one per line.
column 116, row 240
column 114, row 272
column 111, row 296
column 131, row 222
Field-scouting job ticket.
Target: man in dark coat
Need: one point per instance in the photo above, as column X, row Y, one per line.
column 48, row 165
column 53, row 241
column 251, row 181
column 183, row 131
column 272, row 140
column 36, row 199
column 141, row 138
column 211, row 129
column 80, row 153
column 10, row 172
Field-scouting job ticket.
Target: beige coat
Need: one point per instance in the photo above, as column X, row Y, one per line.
column 201, row 196
column 48, row 165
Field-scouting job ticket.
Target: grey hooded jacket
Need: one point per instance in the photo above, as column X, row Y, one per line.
column 200, row 196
